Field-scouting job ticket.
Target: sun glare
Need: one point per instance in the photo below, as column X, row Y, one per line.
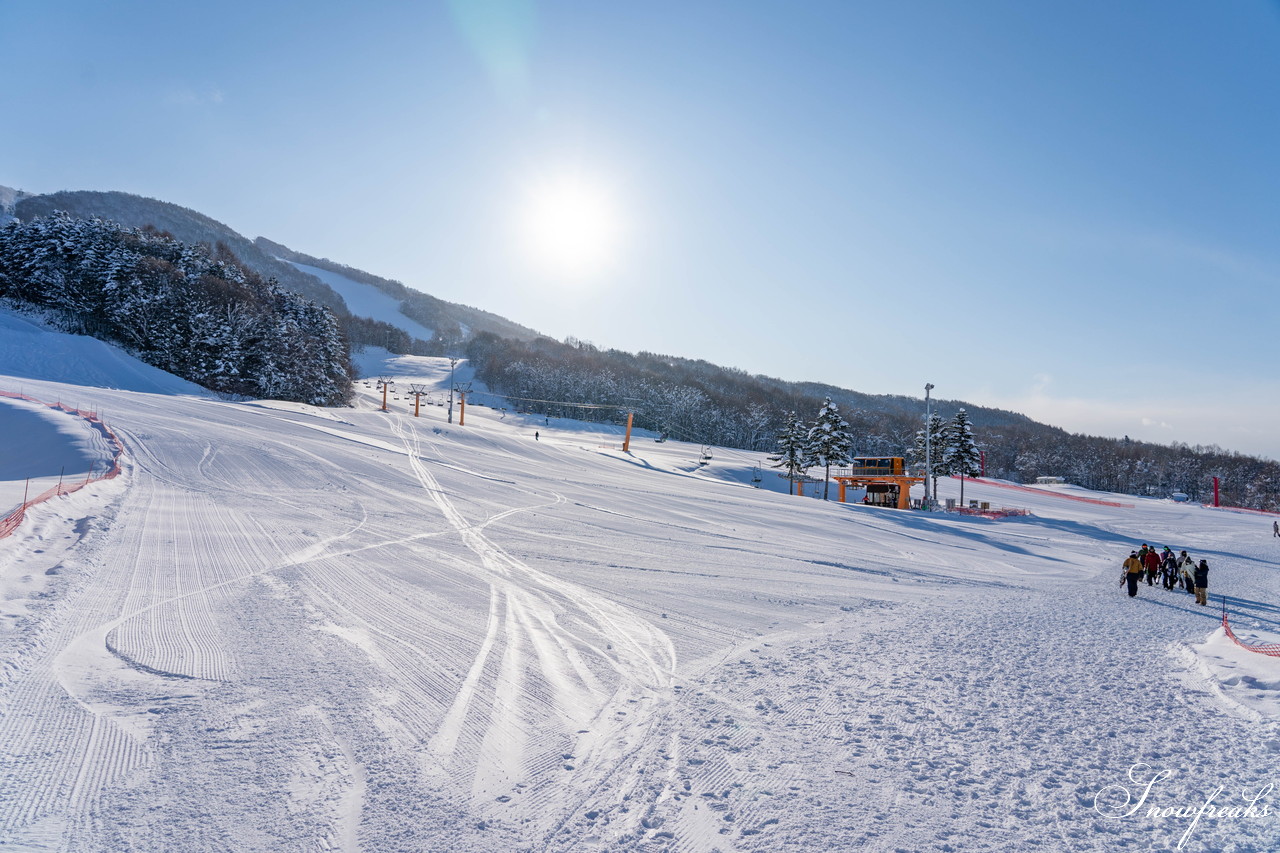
column 571, row 227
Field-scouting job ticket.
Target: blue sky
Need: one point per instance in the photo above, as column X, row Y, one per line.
column 1069, row 210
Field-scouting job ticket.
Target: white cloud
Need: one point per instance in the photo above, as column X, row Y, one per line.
column 189, row 97
column 1241, row 419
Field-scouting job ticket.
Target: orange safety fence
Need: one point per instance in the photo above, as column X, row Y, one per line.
column 1017, row 488
column 1272, row 649
column 10, row 522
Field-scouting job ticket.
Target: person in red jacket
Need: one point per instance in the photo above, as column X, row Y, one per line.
column 1153, row 566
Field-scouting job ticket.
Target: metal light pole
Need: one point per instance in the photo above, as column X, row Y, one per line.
column 928, row 444
column 453, row 362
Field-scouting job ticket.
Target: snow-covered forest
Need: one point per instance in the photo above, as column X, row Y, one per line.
column 190, row 310
column 271, row 260
column 702, row 402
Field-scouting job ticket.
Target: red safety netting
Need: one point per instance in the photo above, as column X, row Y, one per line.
column 10, row 522
column 1272, row 649
column 1242, row 509
column 1002, row 512
column 1018, row 488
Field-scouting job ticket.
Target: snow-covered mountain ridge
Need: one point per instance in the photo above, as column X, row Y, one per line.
column 700, row 401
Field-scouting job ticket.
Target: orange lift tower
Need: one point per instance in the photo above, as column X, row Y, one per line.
column 383, row 383
column 884, row 478
column 417, row 391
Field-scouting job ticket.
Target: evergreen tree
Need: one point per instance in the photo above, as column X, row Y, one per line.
column 792, row 446
column 828, row 442
column 961, row 458
column 937, row 435
column 195, row 312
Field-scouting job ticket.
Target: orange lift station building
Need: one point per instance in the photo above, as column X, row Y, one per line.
column 884, row 478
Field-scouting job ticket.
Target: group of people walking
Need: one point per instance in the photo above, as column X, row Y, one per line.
column 1180, row 572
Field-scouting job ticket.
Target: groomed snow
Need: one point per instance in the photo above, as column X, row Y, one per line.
column 297, row 629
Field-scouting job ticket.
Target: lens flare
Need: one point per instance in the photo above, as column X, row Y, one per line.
column 571, row 226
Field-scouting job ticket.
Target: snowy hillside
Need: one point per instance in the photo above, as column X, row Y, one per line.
column 8, row 198
column 28, row 350
column 365, row 300
column 183, row 223
column 288, row 628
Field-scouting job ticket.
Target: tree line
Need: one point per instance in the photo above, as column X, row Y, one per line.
column 700, row 402
column 192, row 310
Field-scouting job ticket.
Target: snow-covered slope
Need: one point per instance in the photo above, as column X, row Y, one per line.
column 55, row 446
column 30, row 351
column 8, row 197
column 365, row 300
column 297, row 629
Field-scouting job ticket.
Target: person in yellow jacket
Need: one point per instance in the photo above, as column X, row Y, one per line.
column 1133, row 570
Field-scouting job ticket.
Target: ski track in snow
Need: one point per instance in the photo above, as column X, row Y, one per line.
column 282, row 632
column 563, row 694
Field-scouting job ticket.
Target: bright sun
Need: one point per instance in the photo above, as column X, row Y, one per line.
column 571, row 226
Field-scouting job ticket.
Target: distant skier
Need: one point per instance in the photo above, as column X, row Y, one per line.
column 1275, row 528
column 1132, row 573
column 1202, row 582
column 535, row 436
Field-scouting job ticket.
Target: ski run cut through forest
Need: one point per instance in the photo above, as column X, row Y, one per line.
column 292, row 628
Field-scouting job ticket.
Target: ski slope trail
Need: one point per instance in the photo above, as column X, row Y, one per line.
column 560, row 666
column 292, row 629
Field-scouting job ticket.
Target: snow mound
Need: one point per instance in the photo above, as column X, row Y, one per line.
column 1245, row 680
column 31, row 351
column 49, row 446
